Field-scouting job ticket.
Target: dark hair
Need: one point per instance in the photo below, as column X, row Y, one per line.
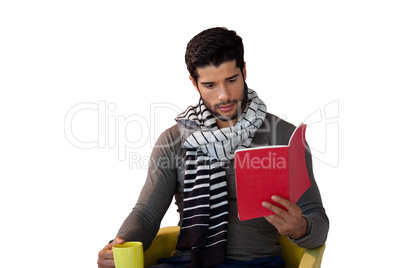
column 213, row 47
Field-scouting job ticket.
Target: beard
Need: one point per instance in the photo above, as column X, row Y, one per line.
column 214, row 109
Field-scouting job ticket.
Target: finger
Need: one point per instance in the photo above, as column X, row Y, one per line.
column 275, row 209
column 106, row 253
column 282, row 201
column 108, row 246
column 291, row 207
column 280, row 225
column 275, row 221
column 280, row 219
column 106, row 263
column 117, row 240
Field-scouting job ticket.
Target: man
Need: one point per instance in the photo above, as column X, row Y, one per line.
column 193, row 161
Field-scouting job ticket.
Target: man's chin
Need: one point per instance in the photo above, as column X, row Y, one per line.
column 227, row 118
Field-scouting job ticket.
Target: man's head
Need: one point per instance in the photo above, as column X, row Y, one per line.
column 212, row 47
column 215, row 61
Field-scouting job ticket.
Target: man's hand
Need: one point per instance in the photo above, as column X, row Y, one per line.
column 105, row 256
column 288, row 223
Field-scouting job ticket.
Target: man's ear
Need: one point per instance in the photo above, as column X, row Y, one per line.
column 193, row 81
column 244, row 71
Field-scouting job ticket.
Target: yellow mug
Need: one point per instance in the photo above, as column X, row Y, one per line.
column 128, row 255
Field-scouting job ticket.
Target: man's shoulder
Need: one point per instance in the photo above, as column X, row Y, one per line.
column 275, row 130
column 170, row 137
column 172, row 131
column 277, row 123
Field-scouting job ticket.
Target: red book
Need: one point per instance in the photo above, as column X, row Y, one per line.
column 270, row 170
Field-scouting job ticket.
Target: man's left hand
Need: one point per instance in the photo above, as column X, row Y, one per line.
column 288, row 223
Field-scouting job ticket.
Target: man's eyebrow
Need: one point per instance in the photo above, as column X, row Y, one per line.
column 206, row 83
column 233, row 76
column 211, row 83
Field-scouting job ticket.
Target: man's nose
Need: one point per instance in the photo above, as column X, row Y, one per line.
column 224, row 93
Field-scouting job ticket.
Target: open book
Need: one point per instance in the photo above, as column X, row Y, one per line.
column 270, row 170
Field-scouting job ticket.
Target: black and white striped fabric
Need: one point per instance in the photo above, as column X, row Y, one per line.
column 205, row 212
column 221, row 143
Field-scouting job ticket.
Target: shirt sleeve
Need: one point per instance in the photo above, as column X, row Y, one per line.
column 311, row 205
column 143, row 223
column 310, row 202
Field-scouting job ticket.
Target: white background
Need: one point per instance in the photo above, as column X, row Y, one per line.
column 60, row 203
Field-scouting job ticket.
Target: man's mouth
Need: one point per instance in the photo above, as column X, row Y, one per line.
column 226, row 108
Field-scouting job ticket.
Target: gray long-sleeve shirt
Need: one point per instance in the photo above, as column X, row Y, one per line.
column 246, row 240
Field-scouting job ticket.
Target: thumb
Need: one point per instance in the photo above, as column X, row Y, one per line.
column 118, row 240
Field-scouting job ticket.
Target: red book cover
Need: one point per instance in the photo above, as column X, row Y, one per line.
column 270, row 170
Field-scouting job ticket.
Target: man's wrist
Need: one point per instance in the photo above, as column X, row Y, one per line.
column 301, row 231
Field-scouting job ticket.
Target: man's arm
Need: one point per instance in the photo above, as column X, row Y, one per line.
column 143, row 223
column 305, row 222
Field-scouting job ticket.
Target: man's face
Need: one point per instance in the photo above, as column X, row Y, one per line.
column 222, row 90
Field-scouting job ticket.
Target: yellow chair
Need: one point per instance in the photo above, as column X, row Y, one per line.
column 165, row 242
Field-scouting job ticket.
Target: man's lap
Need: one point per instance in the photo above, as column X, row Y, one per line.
column 185, row 261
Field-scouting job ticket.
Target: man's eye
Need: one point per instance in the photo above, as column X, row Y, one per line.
column 232, row 80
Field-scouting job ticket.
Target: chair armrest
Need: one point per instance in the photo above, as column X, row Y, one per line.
column 296, row 257
column 162, row 246
column 312, row 257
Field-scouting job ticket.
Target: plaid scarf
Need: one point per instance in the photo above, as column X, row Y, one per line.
column 205, row 212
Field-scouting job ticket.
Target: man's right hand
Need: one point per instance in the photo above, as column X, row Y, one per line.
column 105, row 256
